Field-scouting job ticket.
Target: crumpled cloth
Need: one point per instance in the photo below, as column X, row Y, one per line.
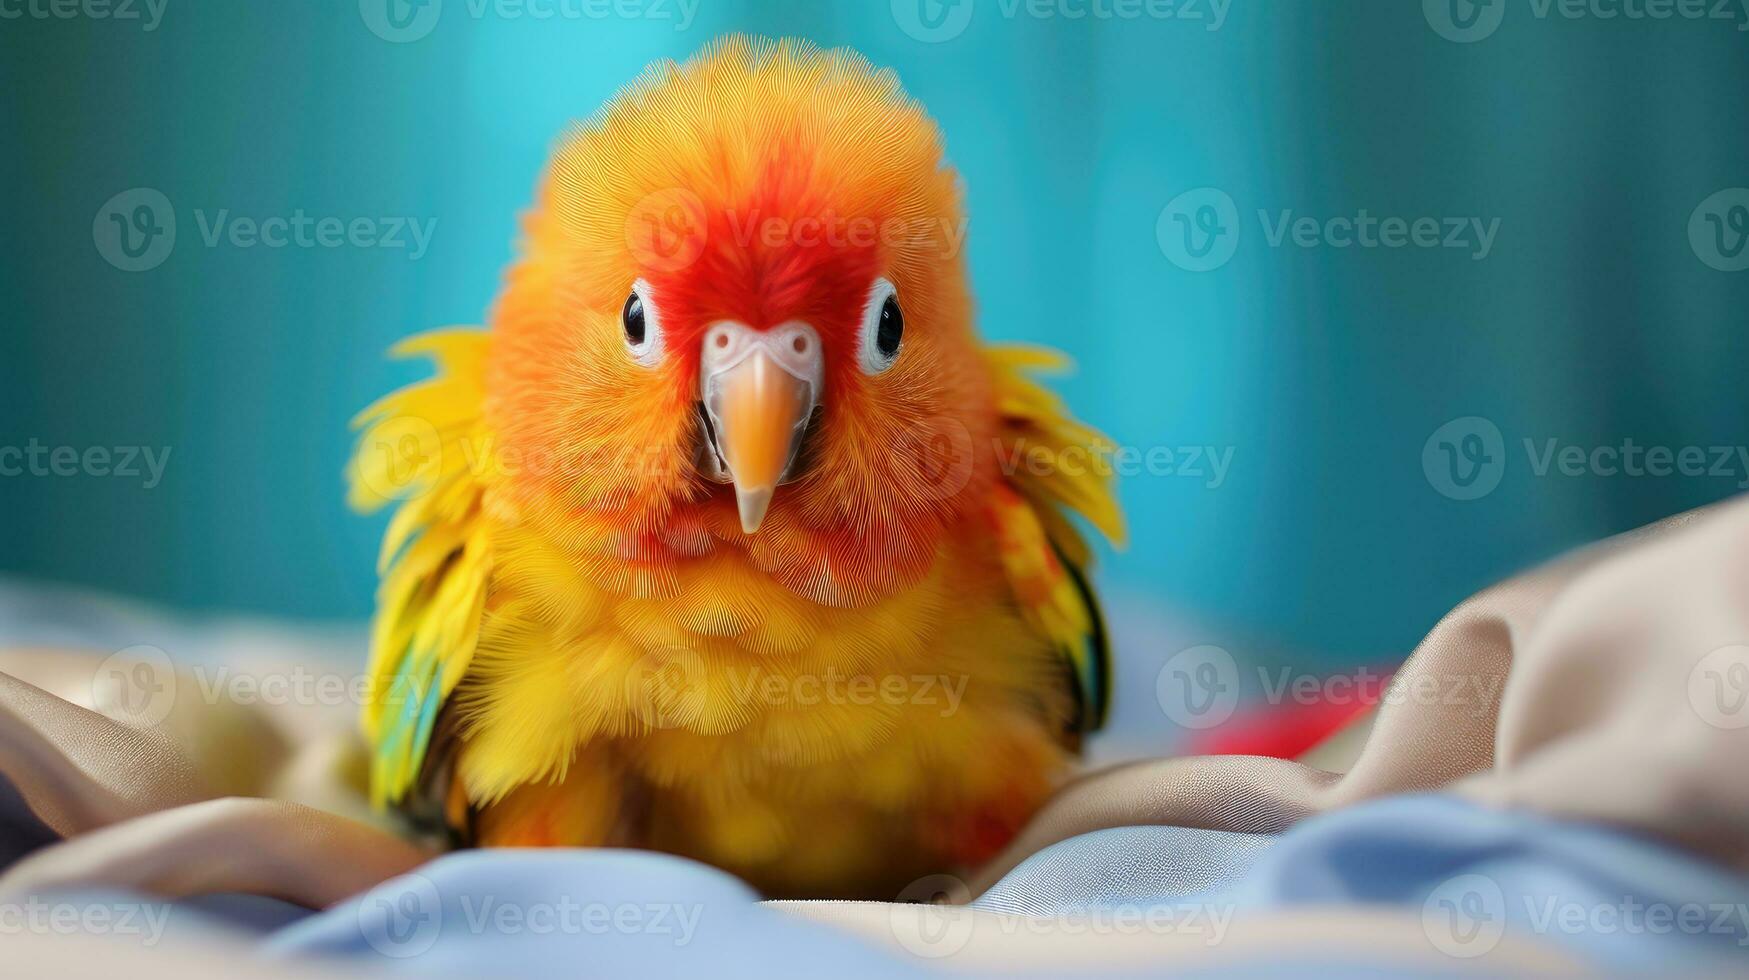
column 1604, row 697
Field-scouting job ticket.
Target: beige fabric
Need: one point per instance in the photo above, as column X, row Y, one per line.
column 228, row 845
column 1579, row 690
column 138, row 815
column 973, row 940
column 110, row 958
column 78, row 770
column 1584, row 666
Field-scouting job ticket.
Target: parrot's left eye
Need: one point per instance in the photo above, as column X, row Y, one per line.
column 643, row 328
column 883, row 329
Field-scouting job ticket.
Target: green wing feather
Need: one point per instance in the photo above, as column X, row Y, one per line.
column 435, row 562
column 1042, row 550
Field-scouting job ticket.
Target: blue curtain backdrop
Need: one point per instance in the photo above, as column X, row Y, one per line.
column 1112, row 151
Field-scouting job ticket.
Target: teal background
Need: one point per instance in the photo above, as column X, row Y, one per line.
column 1324, row 370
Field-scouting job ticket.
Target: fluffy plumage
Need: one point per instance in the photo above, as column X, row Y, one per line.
column 577, row 643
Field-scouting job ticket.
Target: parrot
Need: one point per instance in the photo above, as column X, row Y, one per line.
column 725, row 536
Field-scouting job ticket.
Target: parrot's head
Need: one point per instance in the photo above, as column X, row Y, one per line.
column 743, row 316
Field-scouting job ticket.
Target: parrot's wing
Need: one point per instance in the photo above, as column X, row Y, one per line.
column 1053, row 467
column 414, row 451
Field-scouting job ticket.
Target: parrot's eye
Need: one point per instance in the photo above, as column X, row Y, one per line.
column 633, row 315
column 643, row 329
column 883, row 329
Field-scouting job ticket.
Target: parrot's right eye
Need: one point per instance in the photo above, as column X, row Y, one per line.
column 643, row 330
column 883, row 329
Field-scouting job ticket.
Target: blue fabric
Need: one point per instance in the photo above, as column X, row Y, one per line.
column 1125, row 866
column 1618, row 901
column 594, row 913
column 1621, row 901
column 1529, row 874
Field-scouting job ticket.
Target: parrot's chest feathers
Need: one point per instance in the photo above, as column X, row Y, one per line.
column 739, row 714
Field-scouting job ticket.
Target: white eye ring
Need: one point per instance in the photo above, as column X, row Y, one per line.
column 647, row 352
column 869, row 356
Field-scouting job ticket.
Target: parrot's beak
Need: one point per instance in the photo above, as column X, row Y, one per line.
column 758, row 390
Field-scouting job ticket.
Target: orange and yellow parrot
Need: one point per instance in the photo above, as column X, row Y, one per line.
column 728, row 538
